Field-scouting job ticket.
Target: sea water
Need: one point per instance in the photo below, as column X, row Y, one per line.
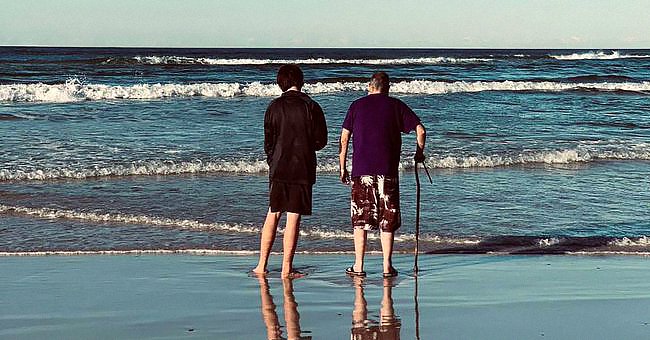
column 109, row 150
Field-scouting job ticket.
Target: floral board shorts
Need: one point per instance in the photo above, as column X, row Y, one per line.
column 375, row 203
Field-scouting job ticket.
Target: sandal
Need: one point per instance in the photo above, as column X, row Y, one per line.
column 391, row 273
column 350, row 271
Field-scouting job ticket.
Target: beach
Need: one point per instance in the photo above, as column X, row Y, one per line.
column 214, row 297
column 134, row 184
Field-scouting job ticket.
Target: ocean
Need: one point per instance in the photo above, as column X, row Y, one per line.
column 134, row 150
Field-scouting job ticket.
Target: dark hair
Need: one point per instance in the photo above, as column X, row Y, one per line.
column 380, row 81
column 290, row 75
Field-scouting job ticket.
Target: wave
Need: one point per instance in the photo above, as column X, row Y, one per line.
column 156, row 221
column 10, row 117
column 181, row 60
column 219, row 252
column 601, row 78
column 598, row 55
column 99, row 217
column 144, row 168
column 639, row 151
column 523, row 245
column 430, row 244
column 74, row 90
column 616, row 124
column 201, row 252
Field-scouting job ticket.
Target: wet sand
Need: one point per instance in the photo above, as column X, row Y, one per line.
column 213, row 297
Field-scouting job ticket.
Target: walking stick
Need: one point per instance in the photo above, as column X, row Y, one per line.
column 417, row 212
column 417, row 217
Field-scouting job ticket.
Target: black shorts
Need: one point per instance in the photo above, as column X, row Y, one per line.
column 288, row 197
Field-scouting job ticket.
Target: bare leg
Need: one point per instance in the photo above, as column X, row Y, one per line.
column 360, row 237
column 289, row 243
column 266, row 241
column 387, row 240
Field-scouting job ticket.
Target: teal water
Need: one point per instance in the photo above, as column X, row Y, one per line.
column 120, row 149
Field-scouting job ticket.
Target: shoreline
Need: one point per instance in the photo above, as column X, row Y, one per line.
column 452, row 297
column 254, row 253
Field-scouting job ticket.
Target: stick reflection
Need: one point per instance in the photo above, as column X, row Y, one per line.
column 388, row 327
column 291, row 315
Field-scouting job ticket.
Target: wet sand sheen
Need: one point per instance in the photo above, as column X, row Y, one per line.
column 458, row 297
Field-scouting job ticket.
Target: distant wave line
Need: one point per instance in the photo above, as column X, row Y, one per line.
column 640, row 151
column 598, row 55
column 182, row 60
column 74, row 90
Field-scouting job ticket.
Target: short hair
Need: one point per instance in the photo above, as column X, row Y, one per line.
column 290, row 75
column 380, row 81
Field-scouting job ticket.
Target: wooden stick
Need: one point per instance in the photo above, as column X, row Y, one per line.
column 417, row 216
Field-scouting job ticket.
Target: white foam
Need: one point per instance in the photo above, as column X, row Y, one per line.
column 195, row 252
column 123, row 218
column 597, row 55
column 539, row 157
column 642, row 241
column 180, row 60
column 609, row 253
column 100, row 217
column 639, row 151
column 74, row 90
column 145, row 168
column 201, row 252
column 547, row 242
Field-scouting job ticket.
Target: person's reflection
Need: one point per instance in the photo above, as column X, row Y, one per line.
column 270, row 317
column 364, row 329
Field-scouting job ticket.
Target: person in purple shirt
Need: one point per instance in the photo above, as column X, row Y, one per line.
column 376, row 123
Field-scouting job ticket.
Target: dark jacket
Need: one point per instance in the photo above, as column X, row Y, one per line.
column 294, row 129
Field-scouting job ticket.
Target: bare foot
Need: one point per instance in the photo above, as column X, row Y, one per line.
column 259, row 271
column 294, row 274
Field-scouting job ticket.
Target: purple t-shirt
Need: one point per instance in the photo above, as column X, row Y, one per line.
column 376, row 122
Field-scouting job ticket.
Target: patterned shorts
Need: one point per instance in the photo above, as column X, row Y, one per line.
column 375, row 203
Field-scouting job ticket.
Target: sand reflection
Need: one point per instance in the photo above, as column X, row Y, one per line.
column 387, row 328
column 291, row 315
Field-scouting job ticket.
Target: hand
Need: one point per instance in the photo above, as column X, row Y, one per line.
column 419, row 155
column 345, row 176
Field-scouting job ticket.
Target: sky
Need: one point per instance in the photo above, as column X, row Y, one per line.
column 327, row 23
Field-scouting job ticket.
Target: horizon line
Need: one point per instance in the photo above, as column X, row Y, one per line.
column 323, row 47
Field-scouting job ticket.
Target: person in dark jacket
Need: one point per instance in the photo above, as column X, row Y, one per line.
column 294, row 129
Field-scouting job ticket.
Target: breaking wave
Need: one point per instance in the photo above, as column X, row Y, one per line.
column 430, row 244
column 74, row 90
column 521, row 245
column 598, row 55
column 145, row 168
column 202, row 252
column 99, row 217
column 180, row 60
column 637, row 152
column 640, row 151
column 124, row 218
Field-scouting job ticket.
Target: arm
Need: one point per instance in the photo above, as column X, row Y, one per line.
column 343, row 155
column 421, row 137
column 320, row 128
column 269, row 136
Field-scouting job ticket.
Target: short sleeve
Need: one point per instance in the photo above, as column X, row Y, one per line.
column 409, row 119
column 348, row 122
